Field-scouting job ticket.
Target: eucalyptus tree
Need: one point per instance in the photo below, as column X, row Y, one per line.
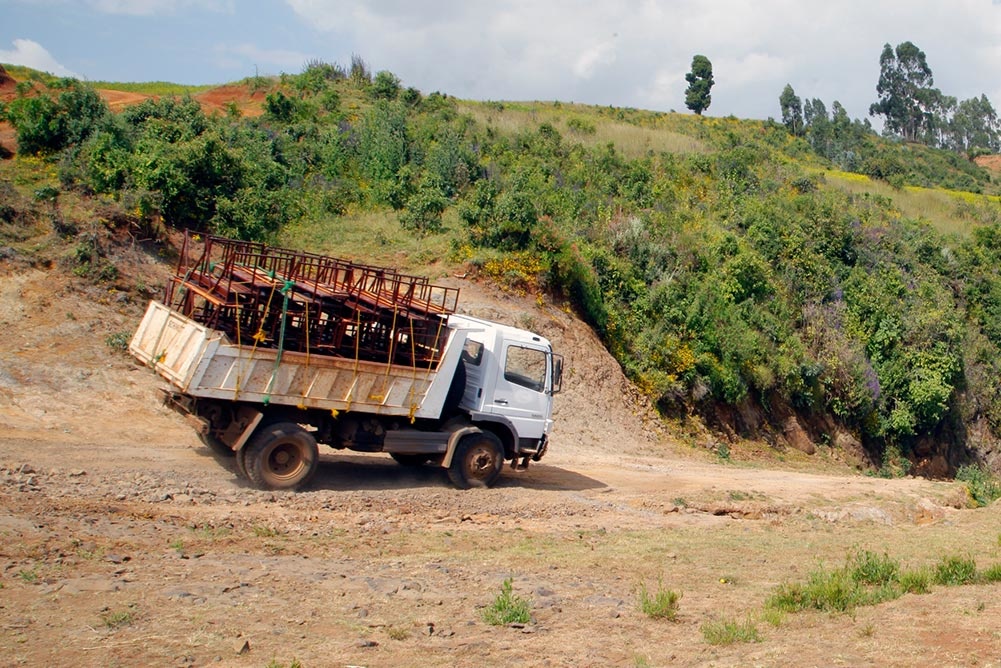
column 700, row 81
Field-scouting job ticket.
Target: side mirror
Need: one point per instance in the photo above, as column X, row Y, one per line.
column 557, row 373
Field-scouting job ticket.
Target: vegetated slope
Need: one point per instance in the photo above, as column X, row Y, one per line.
column 736, row 283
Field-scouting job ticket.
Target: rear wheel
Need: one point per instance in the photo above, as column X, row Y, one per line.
column 477, row 461
column 280, row 456
column 241, row 461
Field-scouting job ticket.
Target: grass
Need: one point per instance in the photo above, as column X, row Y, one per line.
column 954, row 570
column 983, row 487
column 729, row 631
column 579, row 124
column 275, row 663
column 152, row 87
column 661, row 604
column 119, row 341
column 868, row 578
column 118, row 619
column 992, row 574
column 916, row 581
column 947, row 211
column 373, row 237
column 265, row 532
column 508, row 608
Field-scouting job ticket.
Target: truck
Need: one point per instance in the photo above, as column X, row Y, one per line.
column 269, row 352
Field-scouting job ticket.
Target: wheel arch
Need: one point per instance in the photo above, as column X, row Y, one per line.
column 498, row 425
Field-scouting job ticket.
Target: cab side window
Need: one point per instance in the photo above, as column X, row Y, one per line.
column 526, row 367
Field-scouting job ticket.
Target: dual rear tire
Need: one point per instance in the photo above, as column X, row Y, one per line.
column 280, row 456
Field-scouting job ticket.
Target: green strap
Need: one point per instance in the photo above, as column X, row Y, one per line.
column 286, row 290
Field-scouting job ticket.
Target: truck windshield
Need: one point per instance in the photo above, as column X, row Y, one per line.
column 526, row 367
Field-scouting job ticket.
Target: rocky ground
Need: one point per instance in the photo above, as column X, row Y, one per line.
column 126, row 542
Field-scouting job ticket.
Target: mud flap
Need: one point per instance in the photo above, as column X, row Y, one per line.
column 453, row 441
column 240, row 429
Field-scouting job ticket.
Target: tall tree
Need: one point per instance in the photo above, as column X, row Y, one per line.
column 700, row 81
column 792, row 110
column 975, row 127
column 906, row 97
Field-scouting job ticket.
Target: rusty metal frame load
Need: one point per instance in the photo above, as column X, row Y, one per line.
column 270, row 297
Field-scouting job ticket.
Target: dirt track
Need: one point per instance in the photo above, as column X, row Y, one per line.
column 126, row 542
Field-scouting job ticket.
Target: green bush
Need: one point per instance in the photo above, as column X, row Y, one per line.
column 983, row 486
column 508, row 608
column 660, row 604
column 916, row 582
column 46, row 125
column 954, row 570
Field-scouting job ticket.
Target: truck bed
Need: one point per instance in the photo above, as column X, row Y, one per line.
column 203, row 362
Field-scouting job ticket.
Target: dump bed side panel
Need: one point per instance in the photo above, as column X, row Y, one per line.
column 201, row 362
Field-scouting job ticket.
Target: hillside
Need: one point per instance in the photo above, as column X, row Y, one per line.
column 128, row 542
column 745, row 283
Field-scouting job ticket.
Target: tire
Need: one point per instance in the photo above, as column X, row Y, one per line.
column 409, row 460
column 215, row 445
column 477, row 461
column 241, row 461
column 280, row 456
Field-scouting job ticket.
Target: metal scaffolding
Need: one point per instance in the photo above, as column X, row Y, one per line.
column 270, row 297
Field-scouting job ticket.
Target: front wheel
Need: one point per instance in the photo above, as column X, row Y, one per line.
column 280, row 456
column 477, row 461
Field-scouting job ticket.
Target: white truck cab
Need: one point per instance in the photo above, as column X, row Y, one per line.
column 511, row 375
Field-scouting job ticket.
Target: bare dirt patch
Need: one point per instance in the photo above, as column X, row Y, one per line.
column 991, row 162
column 119, row 99
column 248, row 102
column 127, row 542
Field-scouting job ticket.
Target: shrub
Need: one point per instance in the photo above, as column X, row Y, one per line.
column 916, row 582
column 832, row 591
column 423, row 211
column 983, row 487
column 385, row 86
column 869, row 568
column 118, row 341
column 992, row 574
column 279, row 107
column 45, row 125
column 508, row 608
column 865, row 579
column 954, row 570
column 661, row 604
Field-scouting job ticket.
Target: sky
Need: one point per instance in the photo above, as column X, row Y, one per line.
column 623, row 53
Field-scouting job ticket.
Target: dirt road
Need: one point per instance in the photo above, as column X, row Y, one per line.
column 126, row 542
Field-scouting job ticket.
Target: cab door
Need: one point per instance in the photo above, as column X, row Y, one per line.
column 521, row 392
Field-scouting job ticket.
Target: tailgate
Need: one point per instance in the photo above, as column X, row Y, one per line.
column 172, row 344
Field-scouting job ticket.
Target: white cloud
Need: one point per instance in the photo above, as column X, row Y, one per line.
column 636, row 52
column 591, row 59
column 32, row 54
